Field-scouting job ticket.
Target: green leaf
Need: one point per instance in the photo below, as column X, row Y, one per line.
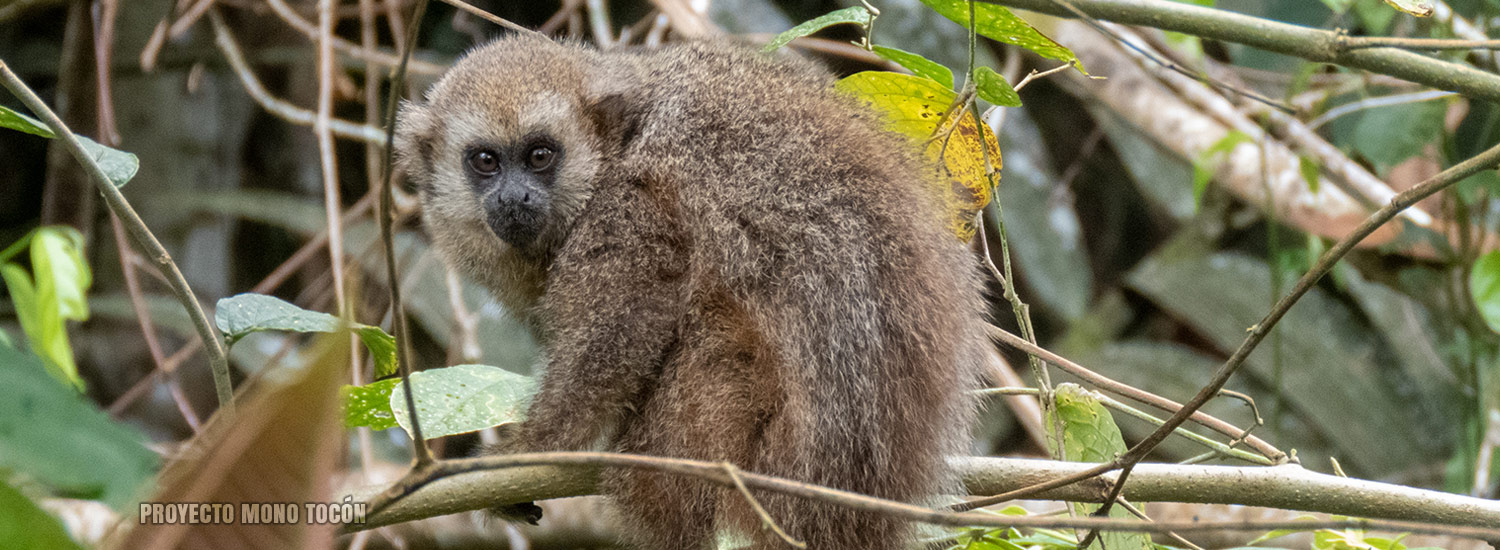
column 999, row 24
column 464, row 398
column 369, row 405
column 39, row 308
column 16, row 121
column 1389, row 135
column 118, row 165
column 1484, row 288
column 244, row 314
column 918, row 65
column 1089, row 434
column 993, row 88
column 25, row 526
column 1202, row 172
column 53, row 435
column 382, row 348
column 1310, row 171
column 856, row 14
column 57, row 260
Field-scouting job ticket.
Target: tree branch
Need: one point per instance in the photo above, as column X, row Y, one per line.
column 1284, row 38
column 474, row 484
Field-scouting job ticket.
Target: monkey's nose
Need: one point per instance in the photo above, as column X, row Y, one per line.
column 516, row 195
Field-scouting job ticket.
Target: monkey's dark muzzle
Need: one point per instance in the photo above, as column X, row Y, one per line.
column 516, row 214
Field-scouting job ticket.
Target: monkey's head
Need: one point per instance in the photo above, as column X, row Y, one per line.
column 507, row 147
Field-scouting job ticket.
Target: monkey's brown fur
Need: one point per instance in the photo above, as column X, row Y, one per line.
column 738, row 264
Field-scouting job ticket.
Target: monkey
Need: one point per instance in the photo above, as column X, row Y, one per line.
column 723, row 259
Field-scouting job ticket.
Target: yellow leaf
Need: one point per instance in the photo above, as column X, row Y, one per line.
column 918, row 108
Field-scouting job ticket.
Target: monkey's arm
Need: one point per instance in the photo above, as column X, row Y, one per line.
column 613, row 300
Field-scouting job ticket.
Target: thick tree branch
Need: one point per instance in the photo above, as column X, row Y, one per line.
column 1289, row 487
column 1294, row 40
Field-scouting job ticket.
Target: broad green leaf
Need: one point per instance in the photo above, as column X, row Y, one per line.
column 1089, row 434
column 1203, row 168
column 464, row 398
column 993, row 88
column 53, row 435
column 999, row 24
column 370, row 405
column 1484, row 287
column 244, row 314
column 857, row 14
column 118, row 165
column 16, row 121
column 25, row 526
column 918, row 109
column 1389, row 135
column 918, row 65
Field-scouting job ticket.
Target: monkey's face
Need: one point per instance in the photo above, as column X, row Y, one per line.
column 503, row 152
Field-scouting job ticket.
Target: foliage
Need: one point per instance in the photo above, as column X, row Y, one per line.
column 51, row 294
column 52, row 435
column 245, row 314
column 25, row 526
column 923, row 111
column 118, row 165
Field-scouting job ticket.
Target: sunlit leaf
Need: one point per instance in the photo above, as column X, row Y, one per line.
column 245, row 314
column 52, row 293
column 918, row 108
column 464, row 398
column 918, row 65
column 856, row 14
column 369, row 405
column 17, row 121
column 999, row 24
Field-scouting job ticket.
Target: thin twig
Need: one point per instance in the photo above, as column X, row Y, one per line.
column 384, row 59
column 487, row 16
column 421, row 455
column 218, row 362
column 225, row 41
column 1113, row 386
column 765, row 518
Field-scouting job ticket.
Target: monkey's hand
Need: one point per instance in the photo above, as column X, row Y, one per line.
column 511, row 437
column 527, row 512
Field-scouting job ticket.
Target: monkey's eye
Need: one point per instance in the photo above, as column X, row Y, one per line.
column 541, row 158
column 484, row 162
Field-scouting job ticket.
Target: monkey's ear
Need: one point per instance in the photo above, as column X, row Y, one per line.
column 616, row 119
column 414, row 145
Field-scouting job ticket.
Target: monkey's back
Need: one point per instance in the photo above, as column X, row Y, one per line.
column 836, row 323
